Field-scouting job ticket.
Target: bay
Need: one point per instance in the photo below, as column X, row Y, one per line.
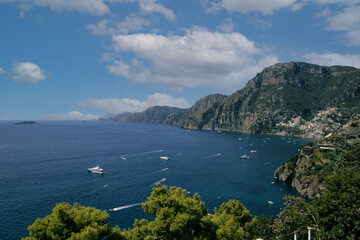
column 46, row 163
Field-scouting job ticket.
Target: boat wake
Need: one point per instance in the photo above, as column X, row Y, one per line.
column 155, row 151
column 214, row 155
column 123, row 157
column 160, row 181
column 87, row 194
column 124, row 207
column 162, row 170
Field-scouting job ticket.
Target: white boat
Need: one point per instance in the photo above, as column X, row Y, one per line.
column 96, row 169
column 270, row 202
column 245, row 156
column 253, row 151
column 164, row 158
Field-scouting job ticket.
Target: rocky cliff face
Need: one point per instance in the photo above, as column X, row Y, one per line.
column 155, row 114
column 287, row 99
column 283, row 98
column 167, row 115
column 308, row 186
column 307, row 170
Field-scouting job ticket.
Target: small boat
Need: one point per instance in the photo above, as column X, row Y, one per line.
column 272, row 183
column 245, row 156
column 164, row 158
column 97, row 170
column 270, row 202
column 253, row 151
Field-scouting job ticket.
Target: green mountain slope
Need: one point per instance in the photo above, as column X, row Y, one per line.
column 292, row 98
column 286, row 98
column 167, row 115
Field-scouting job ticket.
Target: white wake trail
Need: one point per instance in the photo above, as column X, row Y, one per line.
column 214, row 155
column 160, row 181
column 162, row 170
column 124, row 207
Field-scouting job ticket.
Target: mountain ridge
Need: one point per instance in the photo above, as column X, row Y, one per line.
column 293, row 98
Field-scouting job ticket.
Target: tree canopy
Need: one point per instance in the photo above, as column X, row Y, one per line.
column 71, row 222
column 338, row 208
column 180, row 216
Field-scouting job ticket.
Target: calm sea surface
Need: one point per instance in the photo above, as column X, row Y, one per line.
column 46, row 163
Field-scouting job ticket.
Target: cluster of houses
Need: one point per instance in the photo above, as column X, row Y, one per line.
column 320, row 125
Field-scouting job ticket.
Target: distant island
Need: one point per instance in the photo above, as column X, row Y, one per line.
column 25, row 122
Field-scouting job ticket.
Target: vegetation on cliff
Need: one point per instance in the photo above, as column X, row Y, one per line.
column 292, row 98
column 308, row 170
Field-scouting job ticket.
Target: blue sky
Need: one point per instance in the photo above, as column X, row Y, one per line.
column 81, row 59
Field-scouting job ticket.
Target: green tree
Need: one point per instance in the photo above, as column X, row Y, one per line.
column 179, row 216
column 233, row 221
column 338, row 208
column 350, row 156
column 264, row 227
column 71, row 222
column 295, row 217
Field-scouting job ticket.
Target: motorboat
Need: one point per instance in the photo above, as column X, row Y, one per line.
column 97, row 170
column 253, row 151
column 245, row 156
column 270, row 202
column 164, row 158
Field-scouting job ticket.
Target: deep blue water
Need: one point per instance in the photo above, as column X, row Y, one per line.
column 46, row 163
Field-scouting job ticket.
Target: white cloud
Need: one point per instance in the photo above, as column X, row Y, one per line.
column 94, row 7
column 74, row 115
column 28, row 72
column 263, row 6
column 347, row 21
column 342, row 2
column 129, row 24
column 330, row 59
column 258, row 22
column 159, row 99
column 100, row 28
column 266, row 6
column 151, row 6
column 120, row 1
column 228, row 26
column 132, row 23
column 198, row 59
column 2, row 71
column 115, row 105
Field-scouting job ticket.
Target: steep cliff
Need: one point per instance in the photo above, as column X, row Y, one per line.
column 292, row 98
column 299, row 171
column 307, row 170
column 285, row 99
column 157, row 114
column 167, row 115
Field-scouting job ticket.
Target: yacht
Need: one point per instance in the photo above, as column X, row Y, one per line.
column 96, row 169
column 245, row 156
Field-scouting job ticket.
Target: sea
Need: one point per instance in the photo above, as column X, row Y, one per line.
column 47, row 163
